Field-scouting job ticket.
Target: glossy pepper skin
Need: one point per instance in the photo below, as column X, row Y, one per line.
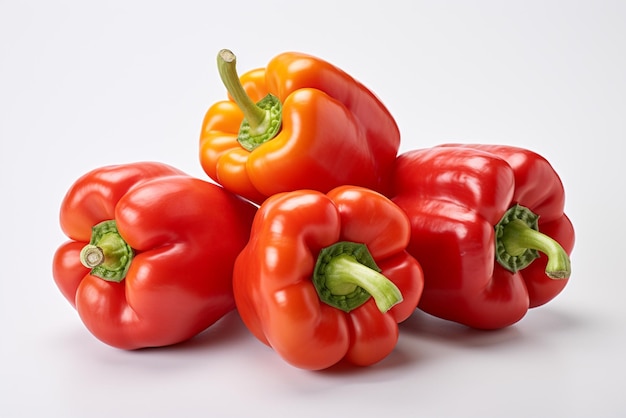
column 278, row 298
column 456, row 196
column 334, row 131
column 169, row 246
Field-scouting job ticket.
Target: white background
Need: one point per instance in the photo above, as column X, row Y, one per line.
column 91, row 83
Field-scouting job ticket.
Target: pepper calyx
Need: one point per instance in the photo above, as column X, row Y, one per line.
column 346, row 276
column 262, row 120
column 107, row 254
column 519, row 242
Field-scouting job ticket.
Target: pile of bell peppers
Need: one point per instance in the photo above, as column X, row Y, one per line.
column 312, row 226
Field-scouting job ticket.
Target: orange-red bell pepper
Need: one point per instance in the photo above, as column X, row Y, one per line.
column 151, row 252
column 326, row 277
column 299, row 123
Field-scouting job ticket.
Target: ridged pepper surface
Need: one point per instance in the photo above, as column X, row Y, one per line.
column 150, row 253
column 326, row 278
column 489, row 229
column 298, row 123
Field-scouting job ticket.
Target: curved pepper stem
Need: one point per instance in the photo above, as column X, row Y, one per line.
column 262, row 120
column 107, row 254
column 346, row 276
column 518, row 242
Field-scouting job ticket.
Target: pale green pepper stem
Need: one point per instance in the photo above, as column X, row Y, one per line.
column 226, row 65
column 346, row 276
column 107, row 254
column 518, row 243
column 91, row 256
column 262, row 121
column 518, row 237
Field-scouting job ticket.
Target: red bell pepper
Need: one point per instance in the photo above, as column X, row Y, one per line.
column 489, row 229
column 151, row 252
column 326, row 277
column 298, row 123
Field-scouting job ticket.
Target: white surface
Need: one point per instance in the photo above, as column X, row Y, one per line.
column 91, row 83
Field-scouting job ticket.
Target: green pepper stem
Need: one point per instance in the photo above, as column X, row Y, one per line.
column 107, row 254
column 262, row 121
column 91, row 256
column 257, row 117
column 344, row 274
column 517, row 237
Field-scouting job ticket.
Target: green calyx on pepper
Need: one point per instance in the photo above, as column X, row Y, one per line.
column 262, row 120
column 518, row 243
column 107, row 254
column 346, row 276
